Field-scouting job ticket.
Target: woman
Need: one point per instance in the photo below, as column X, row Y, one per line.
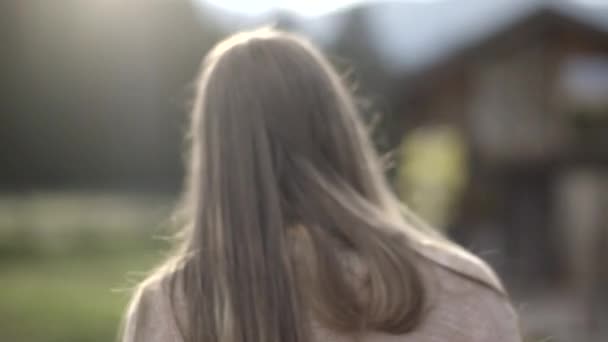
column 292, row 232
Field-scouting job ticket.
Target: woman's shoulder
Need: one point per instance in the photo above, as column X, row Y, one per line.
column 467, row 301
column 453, row 261
column 149, row 315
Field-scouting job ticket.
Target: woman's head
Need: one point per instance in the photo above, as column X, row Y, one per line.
column 283, row 191
column 267, row 94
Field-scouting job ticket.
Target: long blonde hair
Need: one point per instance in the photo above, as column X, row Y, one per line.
column 283, row 189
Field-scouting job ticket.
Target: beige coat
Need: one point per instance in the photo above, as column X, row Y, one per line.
column 467, row 304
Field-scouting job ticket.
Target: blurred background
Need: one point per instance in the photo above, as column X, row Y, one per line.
column 495, row 111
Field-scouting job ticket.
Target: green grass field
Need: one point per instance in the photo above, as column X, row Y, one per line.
column 70, row 298
column 67, row 262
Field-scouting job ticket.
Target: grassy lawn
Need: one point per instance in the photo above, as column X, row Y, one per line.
column 68, row 260
column 64, row 283
column 62, row 299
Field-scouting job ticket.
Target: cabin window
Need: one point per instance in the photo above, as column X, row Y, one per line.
column 508, row 116
column 584, row 85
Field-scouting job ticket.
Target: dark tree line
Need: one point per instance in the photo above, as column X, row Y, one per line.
column 95, row 93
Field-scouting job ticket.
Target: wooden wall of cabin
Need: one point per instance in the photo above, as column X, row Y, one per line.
column 505, row 99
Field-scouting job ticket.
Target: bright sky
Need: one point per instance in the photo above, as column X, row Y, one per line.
column 301, row 7
column 318, row 7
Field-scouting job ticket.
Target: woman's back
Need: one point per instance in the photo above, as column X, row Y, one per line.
column 466, row 304
column 291, row 231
